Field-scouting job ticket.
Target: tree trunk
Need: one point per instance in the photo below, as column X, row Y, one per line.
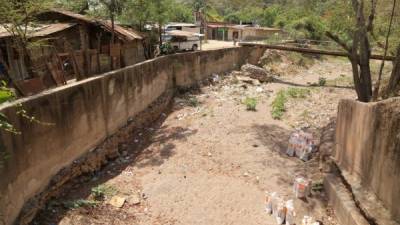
column 160, row 33
column 394, row 81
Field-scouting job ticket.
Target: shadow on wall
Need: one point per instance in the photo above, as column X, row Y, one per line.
column 147, row 145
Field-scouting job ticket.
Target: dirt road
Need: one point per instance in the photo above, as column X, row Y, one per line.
column 210, row 161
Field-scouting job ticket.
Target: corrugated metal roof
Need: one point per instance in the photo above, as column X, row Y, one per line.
column 39, row 30
column 125, row 34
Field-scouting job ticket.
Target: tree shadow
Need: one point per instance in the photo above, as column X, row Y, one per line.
column 273, row 136
column 146, row 146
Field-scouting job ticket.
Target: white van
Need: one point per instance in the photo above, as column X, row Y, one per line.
column 183, row 40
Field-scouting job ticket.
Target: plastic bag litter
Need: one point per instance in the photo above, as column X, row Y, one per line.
column 290, row 213
column 269, row 202
column 302, row 187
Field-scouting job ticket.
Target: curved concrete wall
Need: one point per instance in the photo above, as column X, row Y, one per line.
column 368, row 150
column 85, row 113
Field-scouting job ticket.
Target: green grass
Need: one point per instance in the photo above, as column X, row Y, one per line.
column 101, row 191
column 251, row 104
column 278, row 105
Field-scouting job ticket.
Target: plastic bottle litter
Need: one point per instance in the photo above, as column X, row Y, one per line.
column 302, row 145
column 280, row 211
column 290, row 213
column 302, row 187
column 269, row 202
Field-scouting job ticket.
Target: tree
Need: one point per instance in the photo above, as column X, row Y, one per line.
column 161, row 13
column 18, row 17
column 360, row 49
column 114, row 8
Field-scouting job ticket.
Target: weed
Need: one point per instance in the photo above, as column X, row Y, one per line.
column 193, row 101
column 278, row 105
column 322, row 81
column 101, row 191
column 297, row 92
column 251, row 104
column 79, row 203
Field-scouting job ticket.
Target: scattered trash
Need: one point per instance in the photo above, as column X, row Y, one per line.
column 269, row 202
column 117, row 201
column 279, row 211
column 256, row 72
column 308, row 220
column 215, row 78
column 302, row 145
column 290, row 213
column 302, row 187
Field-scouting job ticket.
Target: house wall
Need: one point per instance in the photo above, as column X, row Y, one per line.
column 82, row 115
column 368, row 149
column 256, row 34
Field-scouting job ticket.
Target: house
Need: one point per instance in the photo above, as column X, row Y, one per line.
column 229, row 32
column 70, row 46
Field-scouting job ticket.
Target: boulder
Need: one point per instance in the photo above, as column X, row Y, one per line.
column 256, row 72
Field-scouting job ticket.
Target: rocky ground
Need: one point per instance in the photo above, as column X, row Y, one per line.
column 210, row 160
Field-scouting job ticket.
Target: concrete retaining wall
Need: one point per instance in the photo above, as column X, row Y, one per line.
column 85, row 113
column 368, row 150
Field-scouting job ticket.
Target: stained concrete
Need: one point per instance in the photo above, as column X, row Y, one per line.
column 368, row 153
column 82, row 115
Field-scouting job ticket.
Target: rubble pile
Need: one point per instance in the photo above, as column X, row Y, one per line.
column 256, row 72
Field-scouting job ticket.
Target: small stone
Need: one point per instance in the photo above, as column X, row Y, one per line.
column 117, row 201
column 134, row 199
column 144, row 196
column 246, row 174
column 209, row 154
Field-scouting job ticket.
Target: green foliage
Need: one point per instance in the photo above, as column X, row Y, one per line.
column 322, row 81
column 101, row 191
column 251, row 104
column 79, row 203
column 278, row 105
column 297, row 92
column 193, row 101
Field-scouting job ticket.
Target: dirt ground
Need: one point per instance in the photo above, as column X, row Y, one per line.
column 214, row 44
column 210, row 161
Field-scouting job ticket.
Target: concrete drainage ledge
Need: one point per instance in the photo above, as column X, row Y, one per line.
column 342, row 202
column 95, row 159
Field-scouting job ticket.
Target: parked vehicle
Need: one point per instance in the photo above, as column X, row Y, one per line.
column 182, row 40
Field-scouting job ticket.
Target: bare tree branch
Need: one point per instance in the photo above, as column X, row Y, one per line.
column 336, row 39
column 378, row 83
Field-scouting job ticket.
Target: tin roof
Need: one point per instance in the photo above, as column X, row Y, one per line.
column 39, row 30
column 126, row 34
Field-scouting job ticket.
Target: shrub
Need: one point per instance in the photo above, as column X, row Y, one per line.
column 251, row 104
column 322, row 81
column 278, row 105
column 101, row 191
